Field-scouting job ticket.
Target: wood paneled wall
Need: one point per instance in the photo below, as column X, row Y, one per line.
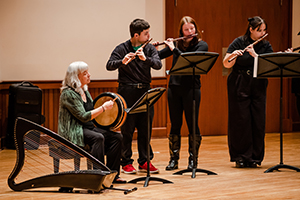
column 221, row 22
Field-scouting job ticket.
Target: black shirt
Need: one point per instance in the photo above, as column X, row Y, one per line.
column 246, row 61
column 88, row 106
column 296, row 84
column 137, row 71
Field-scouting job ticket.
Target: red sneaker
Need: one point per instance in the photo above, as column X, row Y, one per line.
column 152, row 169
column 128, row 169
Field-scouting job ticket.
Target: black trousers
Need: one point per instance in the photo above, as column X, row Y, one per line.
column 298, row 102
column 181, row 99
column 246, row 117
column 296, row 91
column 103, row 142
column 139, row 121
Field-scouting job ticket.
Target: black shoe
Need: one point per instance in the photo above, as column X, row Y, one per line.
column 239, row 164
column 65, row 190
column 173, row 164
column 252, row 164
column 191, row 164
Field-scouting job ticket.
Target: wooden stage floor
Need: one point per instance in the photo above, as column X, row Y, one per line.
column 230, row 183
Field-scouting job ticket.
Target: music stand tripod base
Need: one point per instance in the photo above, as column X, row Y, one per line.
column 194, row 170
column 194, row 63
column 277, row 167
column 147, row 100
column 148, row 179
column 278, row 65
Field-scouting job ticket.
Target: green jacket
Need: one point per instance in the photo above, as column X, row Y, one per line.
column 71, row 116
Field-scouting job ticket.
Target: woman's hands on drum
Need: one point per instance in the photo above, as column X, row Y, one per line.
column 108, row 105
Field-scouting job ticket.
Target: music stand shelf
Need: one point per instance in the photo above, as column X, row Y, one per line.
column 201, row 61
column 274, row 65
column 144, row 103
column 194, row 63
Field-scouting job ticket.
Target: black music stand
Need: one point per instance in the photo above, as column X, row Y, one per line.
column 194, row 63
column 148, row 99
column 278, row 65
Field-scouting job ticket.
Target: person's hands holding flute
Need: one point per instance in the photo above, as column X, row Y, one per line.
column 127, row 57
column 140, row 54
column 240, row 52
column 251, row 50
column 130, row 56
column 236, row 53
column 169, row 42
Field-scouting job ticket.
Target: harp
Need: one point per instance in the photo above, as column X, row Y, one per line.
column 45, row 159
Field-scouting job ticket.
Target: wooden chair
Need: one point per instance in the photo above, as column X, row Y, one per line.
column 58, row 151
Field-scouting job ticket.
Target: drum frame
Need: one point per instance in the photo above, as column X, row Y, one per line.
column 121, row 106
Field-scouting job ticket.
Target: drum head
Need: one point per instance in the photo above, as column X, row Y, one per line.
column 114, row 118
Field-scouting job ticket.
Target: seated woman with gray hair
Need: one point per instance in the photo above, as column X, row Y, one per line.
column 76, row 112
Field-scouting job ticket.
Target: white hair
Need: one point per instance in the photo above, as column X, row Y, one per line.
column 71, row 78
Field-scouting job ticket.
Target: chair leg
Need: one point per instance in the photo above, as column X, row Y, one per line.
column 89, row 164
column 76, row 163
column 56, row 165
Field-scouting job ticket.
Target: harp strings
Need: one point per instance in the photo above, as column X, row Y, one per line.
column 38, row 161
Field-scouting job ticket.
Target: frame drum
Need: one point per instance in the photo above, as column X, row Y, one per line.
column 114, row 118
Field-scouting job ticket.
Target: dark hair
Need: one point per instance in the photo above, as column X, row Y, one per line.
column 254, row 22
column 137, row 26
column 184, row 20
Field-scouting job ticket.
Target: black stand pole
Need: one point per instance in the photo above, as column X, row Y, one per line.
column 148, row 101
column 193, row 63
column 194, row 169
column 281, row 165
column 278, row 65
